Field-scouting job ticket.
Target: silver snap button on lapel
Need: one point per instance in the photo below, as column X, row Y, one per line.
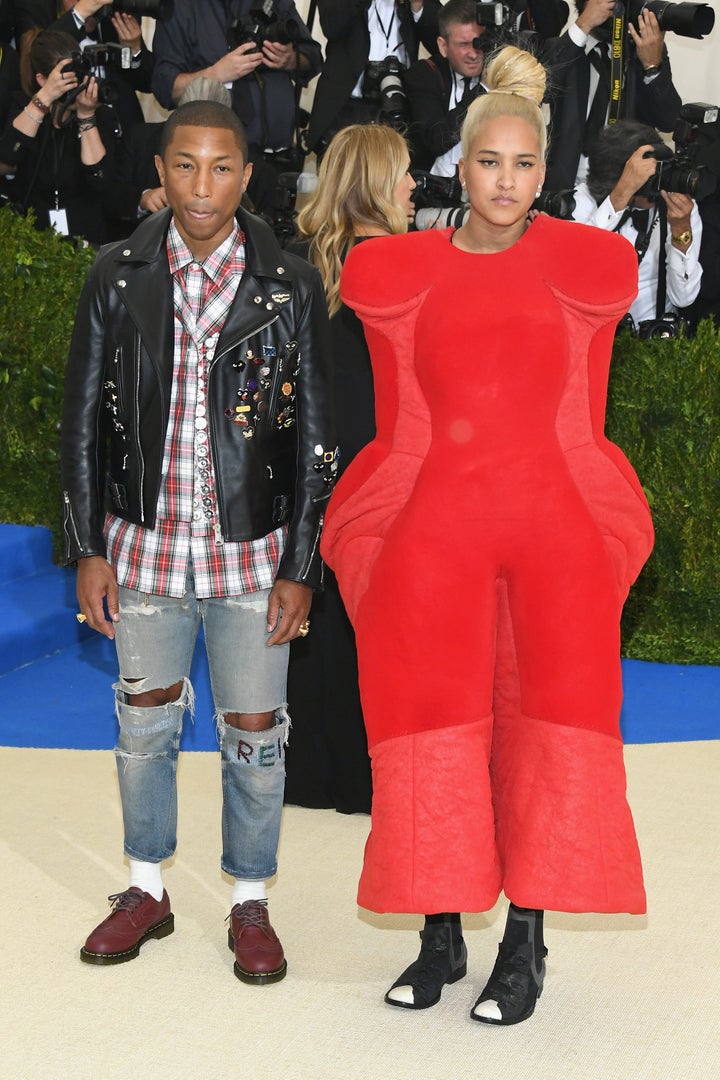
column 257, row 299
column 121, row 284
column 127, row 251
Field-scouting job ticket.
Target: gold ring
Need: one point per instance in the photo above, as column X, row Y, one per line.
column 80, row 617
column 304, row 628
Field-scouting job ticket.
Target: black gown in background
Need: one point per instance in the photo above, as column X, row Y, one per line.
column 327, row 761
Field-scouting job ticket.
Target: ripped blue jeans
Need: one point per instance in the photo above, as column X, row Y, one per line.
column 155, row 639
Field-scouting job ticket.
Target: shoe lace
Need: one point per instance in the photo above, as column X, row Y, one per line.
column 126, row 901
column 251, row 913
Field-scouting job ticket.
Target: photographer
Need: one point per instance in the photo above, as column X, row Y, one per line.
column 441, row 88
column 195, row 40
column 358, row 32
column 581, row 69
column 120, row 85
column 621, row 195
column 59, row 142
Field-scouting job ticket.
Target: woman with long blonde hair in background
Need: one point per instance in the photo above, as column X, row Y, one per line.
column 364, row 190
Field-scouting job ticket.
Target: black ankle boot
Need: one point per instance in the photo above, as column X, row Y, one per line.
column 517, row 978
column 442, row 960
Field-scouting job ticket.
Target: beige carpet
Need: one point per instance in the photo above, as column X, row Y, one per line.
column 624, row 997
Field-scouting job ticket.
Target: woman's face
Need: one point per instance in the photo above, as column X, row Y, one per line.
column 503, row 170
column 403, row 191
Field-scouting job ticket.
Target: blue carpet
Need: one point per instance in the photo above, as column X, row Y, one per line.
column 55, row 676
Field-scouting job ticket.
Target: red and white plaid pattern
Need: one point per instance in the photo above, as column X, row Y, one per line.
column 187, row 531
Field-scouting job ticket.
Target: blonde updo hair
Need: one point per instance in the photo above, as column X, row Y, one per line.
column 516, row 82
column 357, row 178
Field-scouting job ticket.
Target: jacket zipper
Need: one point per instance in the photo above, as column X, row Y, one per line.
column 234, row 344
column 68, row 519
column 138, row 345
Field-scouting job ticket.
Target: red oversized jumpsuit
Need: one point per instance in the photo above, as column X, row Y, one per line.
column 484, row 544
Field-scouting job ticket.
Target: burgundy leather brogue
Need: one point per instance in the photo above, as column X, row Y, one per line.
column 135, row 917
column 259, row 956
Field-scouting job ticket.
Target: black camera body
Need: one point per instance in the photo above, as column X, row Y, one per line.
column 262, row 24
column 102, row 54
column 89, row 61
column 694, row 167
column 382, row 85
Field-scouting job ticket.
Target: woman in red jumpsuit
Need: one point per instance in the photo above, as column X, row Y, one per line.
column 484, row 543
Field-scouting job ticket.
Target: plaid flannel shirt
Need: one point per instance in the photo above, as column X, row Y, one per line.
column 187, row 532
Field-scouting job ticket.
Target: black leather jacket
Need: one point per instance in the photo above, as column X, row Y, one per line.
column 117, row 397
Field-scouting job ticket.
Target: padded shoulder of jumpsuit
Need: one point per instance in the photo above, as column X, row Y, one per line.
column 406, row 265
column 591, row 268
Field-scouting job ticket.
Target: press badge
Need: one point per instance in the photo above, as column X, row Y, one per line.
column 59, row 222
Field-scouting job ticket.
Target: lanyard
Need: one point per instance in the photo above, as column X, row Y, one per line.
column 386, row 33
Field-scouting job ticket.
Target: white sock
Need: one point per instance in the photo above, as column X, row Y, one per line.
column 147, row 876
column 243, row 890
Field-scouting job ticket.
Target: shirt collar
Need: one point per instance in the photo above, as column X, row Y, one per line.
column 225, row 259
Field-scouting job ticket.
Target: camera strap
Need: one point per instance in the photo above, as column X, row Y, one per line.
column 618, row 60
column 645, row 227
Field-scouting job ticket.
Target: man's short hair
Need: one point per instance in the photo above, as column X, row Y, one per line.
column 206, row 114
column 611, row 149
column 454, row 12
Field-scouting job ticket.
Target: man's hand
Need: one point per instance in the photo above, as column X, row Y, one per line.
column 128, row 30
column 679, row 208
column 595, row 13
column 95, row 581
column 638, row 169
column 236, row 64
column 153, row 199
column 293, row 600
column 648, row 39
column 84, row 9
column 279, row 57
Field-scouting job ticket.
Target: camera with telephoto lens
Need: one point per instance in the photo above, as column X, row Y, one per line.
column 694, row 167
column 557, row 204
column 686, row 20
column 264, row 24
column 382, row 85
column 152, row 9
column 438, row 201
column 432, row 190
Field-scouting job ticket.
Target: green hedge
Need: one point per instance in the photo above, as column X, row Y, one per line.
column 663, row 410
column 41, row 275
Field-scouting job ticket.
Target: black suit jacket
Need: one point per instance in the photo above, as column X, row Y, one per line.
column 345, row 26
column 434, row 127
column 656, row 102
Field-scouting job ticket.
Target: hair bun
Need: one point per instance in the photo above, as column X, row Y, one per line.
column 516, row 71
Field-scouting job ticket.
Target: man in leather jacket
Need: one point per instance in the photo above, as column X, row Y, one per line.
column 197, row 456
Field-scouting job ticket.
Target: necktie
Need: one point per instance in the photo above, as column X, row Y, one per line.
column 598, row 110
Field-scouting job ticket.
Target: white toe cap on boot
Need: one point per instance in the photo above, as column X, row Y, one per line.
column 487, row 1010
